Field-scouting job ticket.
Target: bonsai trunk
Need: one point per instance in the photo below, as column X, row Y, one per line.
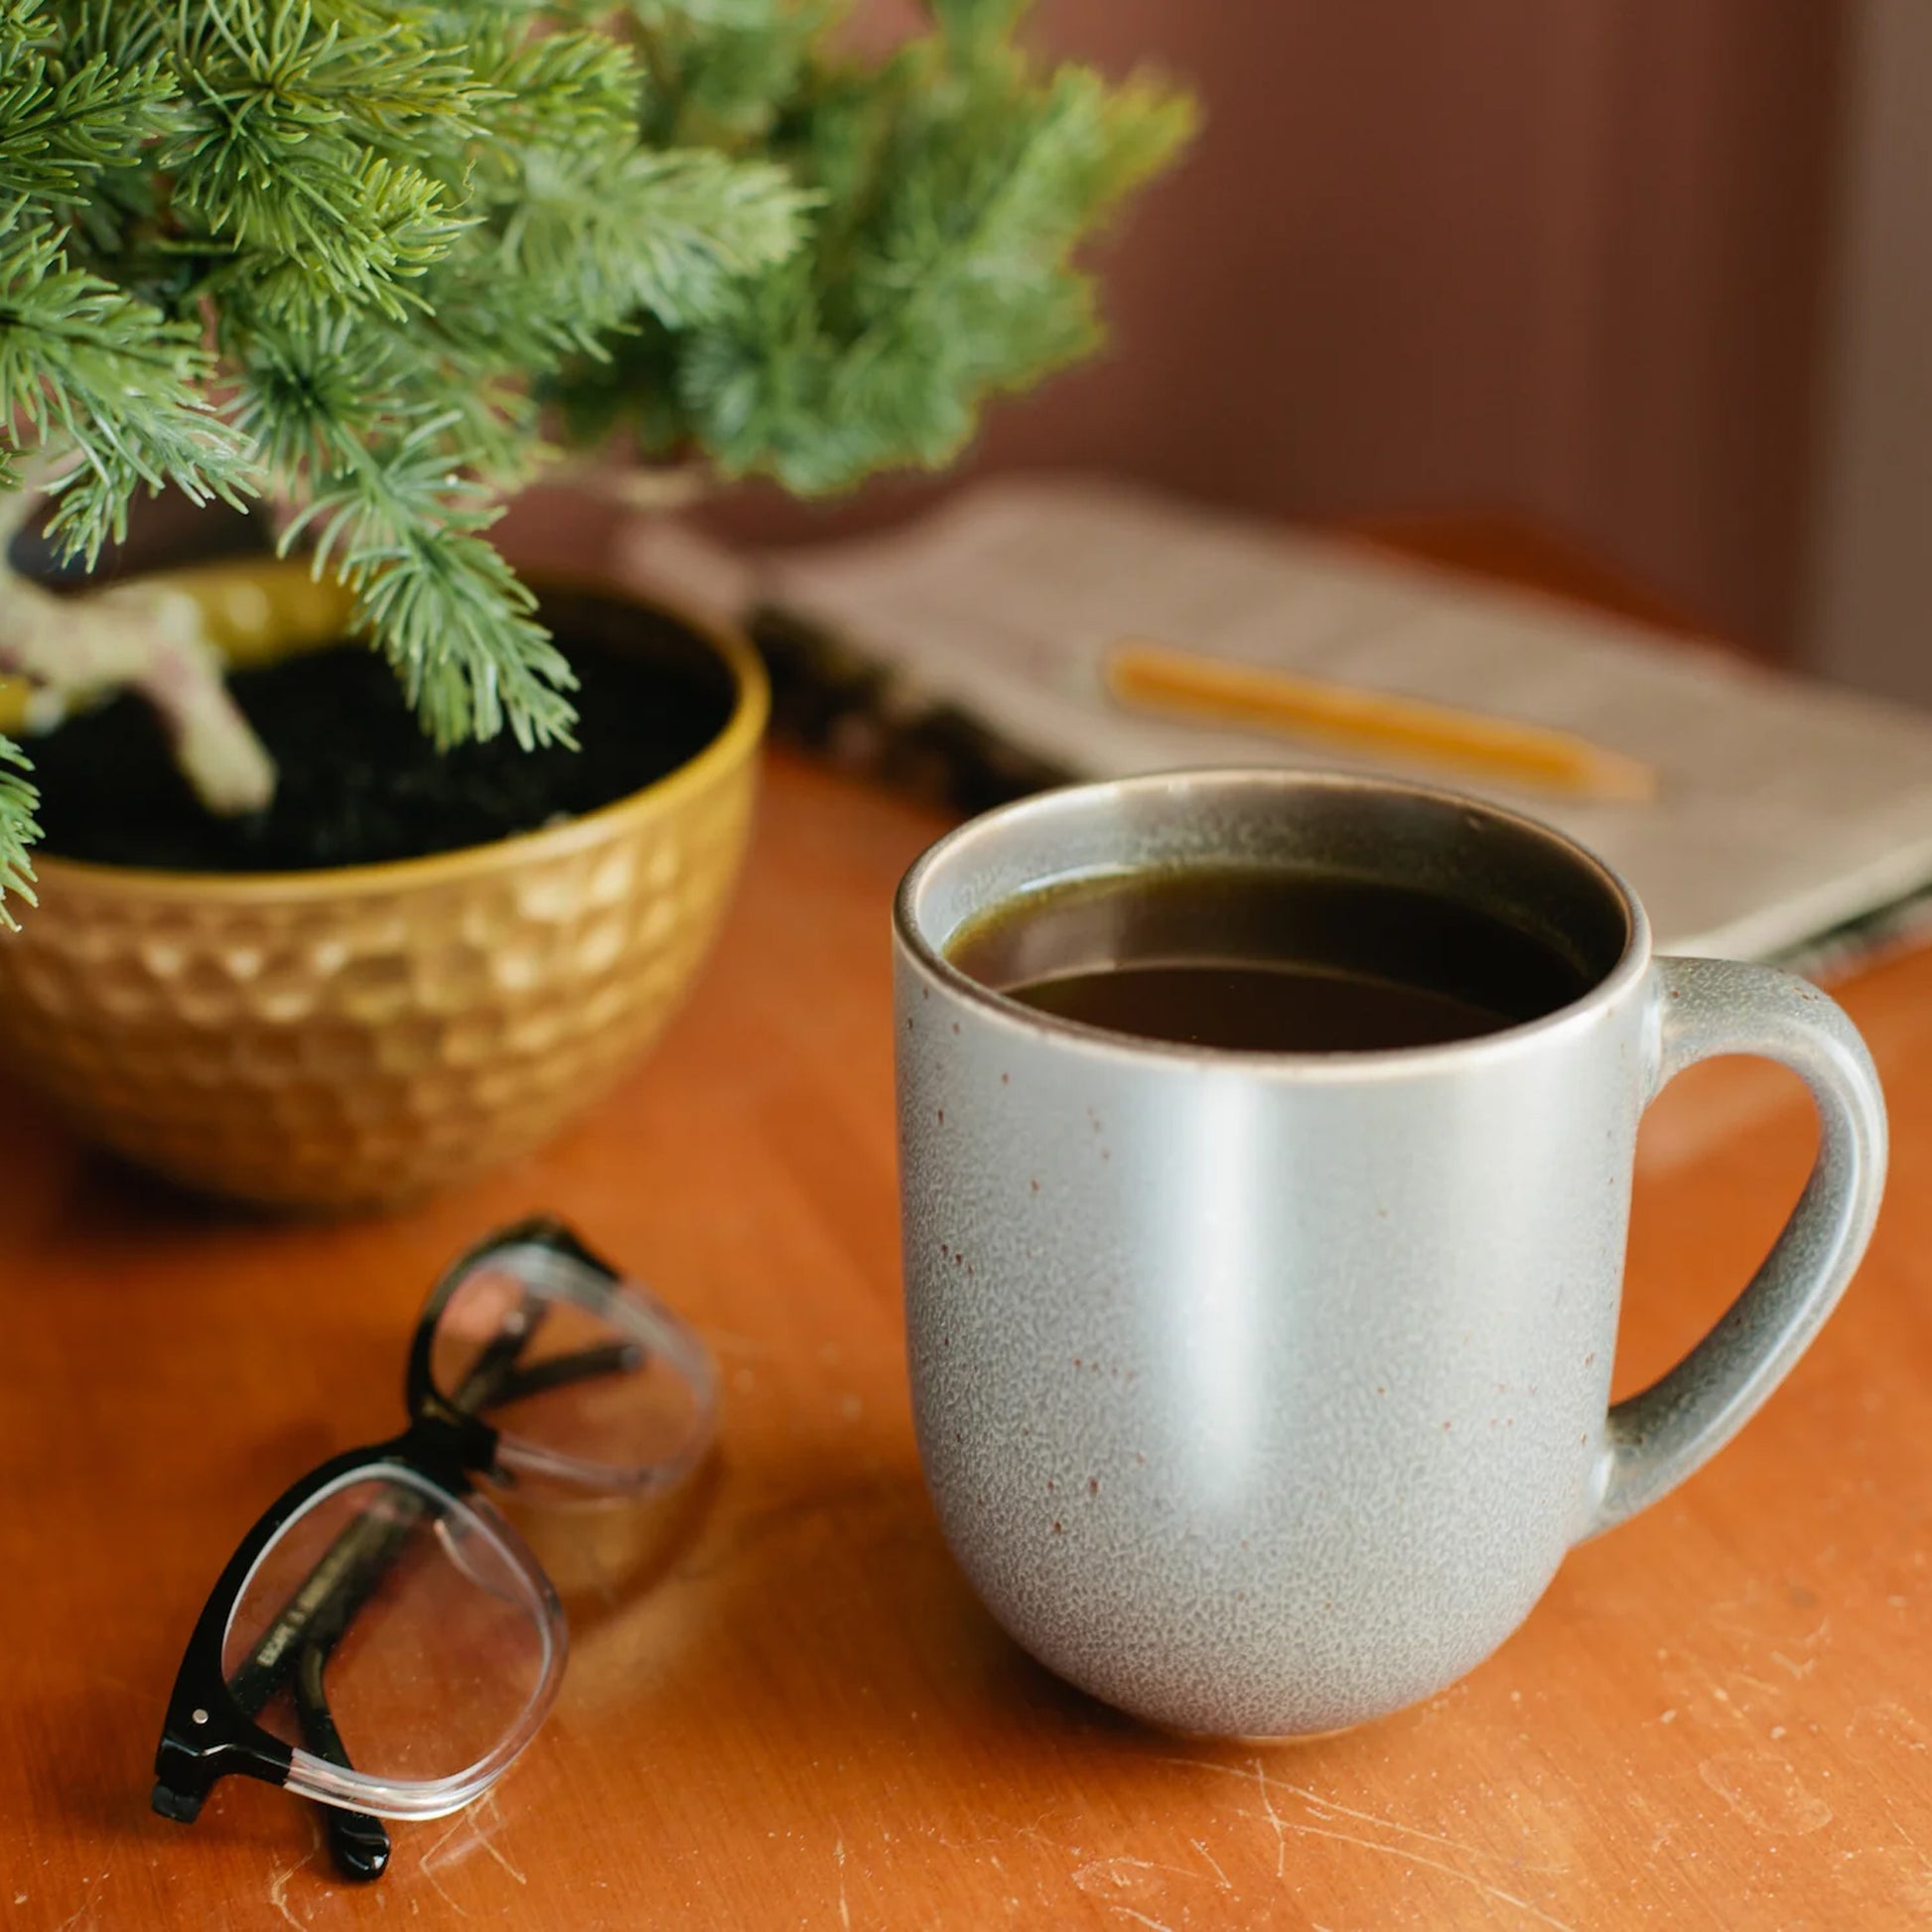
column 143, row 638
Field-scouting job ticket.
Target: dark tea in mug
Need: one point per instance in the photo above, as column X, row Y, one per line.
column 1266, row 960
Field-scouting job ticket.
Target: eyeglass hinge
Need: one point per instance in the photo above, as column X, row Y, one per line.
column 443, row 1433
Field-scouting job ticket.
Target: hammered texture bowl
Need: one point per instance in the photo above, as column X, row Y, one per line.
column 350, row 1038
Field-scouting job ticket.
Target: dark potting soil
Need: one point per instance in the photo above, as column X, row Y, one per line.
column 360, row 783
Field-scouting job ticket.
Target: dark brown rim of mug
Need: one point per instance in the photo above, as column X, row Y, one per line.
column 1631, row 965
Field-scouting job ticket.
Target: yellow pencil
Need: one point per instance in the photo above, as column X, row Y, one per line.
column 1155, row 678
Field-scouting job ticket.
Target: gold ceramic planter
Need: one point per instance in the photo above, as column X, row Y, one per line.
column 352, row 1038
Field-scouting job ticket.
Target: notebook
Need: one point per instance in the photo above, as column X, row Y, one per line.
column 962, row 653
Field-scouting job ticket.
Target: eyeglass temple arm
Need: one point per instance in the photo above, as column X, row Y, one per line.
column 348, row 1572
column 355, row 1562
column 359, row 1843
column 327, row 1599
column 565, row 1371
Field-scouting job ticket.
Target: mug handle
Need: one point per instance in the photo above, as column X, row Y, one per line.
column 1702, row 1008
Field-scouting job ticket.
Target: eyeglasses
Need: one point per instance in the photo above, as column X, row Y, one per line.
column 382, row 1606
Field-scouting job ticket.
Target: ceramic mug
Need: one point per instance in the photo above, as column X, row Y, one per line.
column 1260, row 1394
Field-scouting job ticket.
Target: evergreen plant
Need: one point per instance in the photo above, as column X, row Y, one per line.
column 363, row 261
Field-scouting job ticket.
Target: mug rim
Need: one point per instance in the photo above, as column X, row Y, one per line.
column 1631, row 965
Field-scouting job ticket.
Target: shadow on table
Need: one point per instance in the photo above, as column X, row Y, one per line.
column 604, row 1554
column 826, row 1584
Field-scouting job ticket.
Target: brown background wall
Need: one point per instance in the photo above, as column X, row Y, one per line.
column 1560, row 258
column 1871, row 568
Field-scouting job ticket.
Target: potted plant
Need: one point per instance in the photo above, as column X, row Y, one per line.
column 348, row 262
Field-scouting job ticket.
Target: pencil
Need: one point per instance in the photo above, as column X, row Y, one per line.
column 1153, row 677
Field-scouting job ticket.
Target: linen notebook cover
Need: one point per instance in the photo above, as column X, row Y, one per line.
column 963, row 653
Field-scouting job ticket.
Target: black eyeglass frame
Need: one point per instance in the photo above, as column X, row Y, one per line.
column 211, row 1732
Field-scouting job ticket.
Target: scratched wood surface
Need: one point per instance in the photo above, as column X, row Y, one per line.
column 784, row 1708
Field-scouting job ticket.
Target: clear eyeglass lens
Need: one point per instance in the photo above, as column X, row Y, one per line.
column 390, row 1627
column 591, row 1386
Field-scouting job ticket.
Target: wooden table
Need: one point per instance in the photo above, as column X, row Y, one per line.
column 784, row 1708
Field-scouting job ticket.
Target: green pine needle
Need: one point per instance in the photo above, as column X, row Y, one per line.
column 18, row 831
column 59, row 129
column 670, row 234
column 407, row 535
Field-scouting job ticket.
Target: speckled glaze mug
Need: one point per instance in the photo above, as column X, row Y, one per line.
column 1262, row 1394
